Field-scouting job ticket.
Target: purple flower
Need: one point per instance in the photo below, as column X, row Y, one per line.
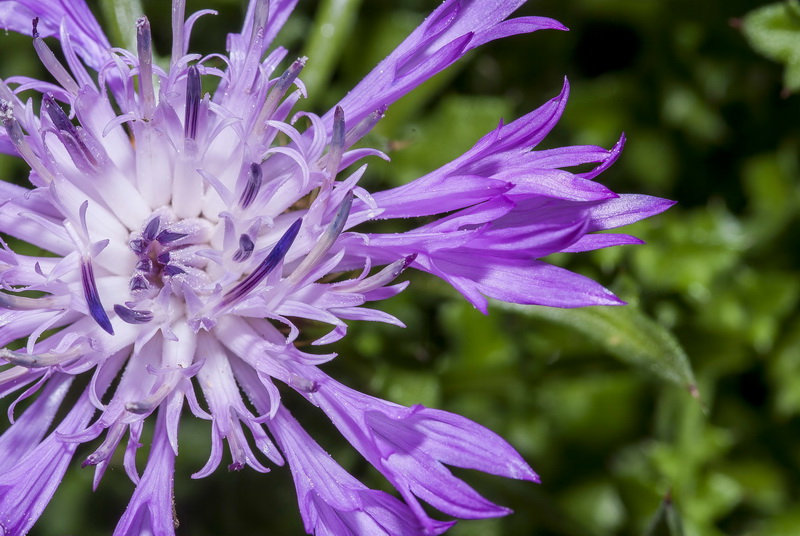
column 189, row 230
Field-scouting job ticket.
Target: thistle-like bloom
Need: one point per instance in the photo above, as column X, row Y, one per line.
column 190, row 231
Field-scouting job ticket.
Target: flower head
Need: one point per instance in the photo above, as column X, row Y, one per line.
column 189, row 231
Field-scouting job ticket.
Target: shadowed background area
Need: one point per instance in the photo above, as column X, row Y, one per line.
column 599, row 402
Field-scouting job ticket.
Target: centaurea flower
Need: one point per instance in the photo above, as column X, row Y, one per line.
column 189, row 230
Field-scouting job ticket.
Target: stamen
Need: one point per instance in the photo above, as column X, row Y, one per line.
column 145, row 265
column 138, row 245
column 364, row 126
column 193, row 94
column 17, row 138
column 276, row 94
column 267, row 265
column 171, row 269
column 385, row 276
column 253, row 185
column 152, row 228
column 138, row 282
column 23, row 303
column 69, row 136
column 133, row 316
column 144, row 48
column 260, row 16
column 93, row 298
column 337, row 143
column 52, row 64
column 146, row 405
column 246, row 247
column 166, row 237
column 45, row 359
column 328, row 238
column 106, row 449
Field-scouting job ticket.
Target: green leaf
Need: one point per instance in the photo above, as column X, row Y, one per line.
column 121, row 16
column 626, row 333
column 774, row 32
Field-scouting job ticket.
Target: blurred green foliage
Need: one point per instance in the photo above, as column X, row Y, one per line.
column 600, row 402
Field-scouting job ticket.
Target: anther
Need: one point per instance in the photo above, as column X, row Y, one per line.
column 277, row 92
column 96, row 309
column 246, row 247
column 167, row 237
column 50, row 62
column 144, row 49
column 267, row 265
column 133, row 316
column 138, row 282
column 193, row 93
column 328, row 238
column 45, row 359
column 364, row 126
column 151, row 229
column 252, row 186
column 336, row 149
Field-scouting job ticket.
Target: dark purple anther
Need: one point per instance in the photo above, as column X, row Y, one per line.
column 93, row 298
column 163, row 257
column 138, row 245
column 246, row 247
column 364, row 126
column 193, row 90
column 151, row 230
column 145, row 265
column 68, row 134
column 267, row 265
column 171, row 269
column 132, row 316
column 165, row 237
column 336, row 149
column 57, row 115
column 253, row 185
column 139, row 282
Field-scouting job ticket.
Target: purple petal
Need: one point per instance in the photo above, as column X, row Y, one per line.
column 87, row 37
column 447, row 34
column 627, row 209
column 29, row 485
column 150, row 510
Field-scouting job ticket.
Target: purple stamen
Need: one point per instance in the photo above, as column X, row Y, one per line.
column 138, row 282
column 252, row 186
column 193, row 93
column 337, row 142
column 163, row 257
column 132, row 316
column 165, row 237
column 171, row 269
column 69, row 136
column 93, row 298
column 246, row 247
column 144, row 48
column 152, row 229
column 364, row 126
column 138, row 245
column 277, row 92
column 57, row 115
column 145, row 265
column 267, row 265
column 50, row 62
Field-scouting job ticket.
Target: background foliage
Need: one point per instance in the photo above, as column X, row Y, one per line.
column 599, row 401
